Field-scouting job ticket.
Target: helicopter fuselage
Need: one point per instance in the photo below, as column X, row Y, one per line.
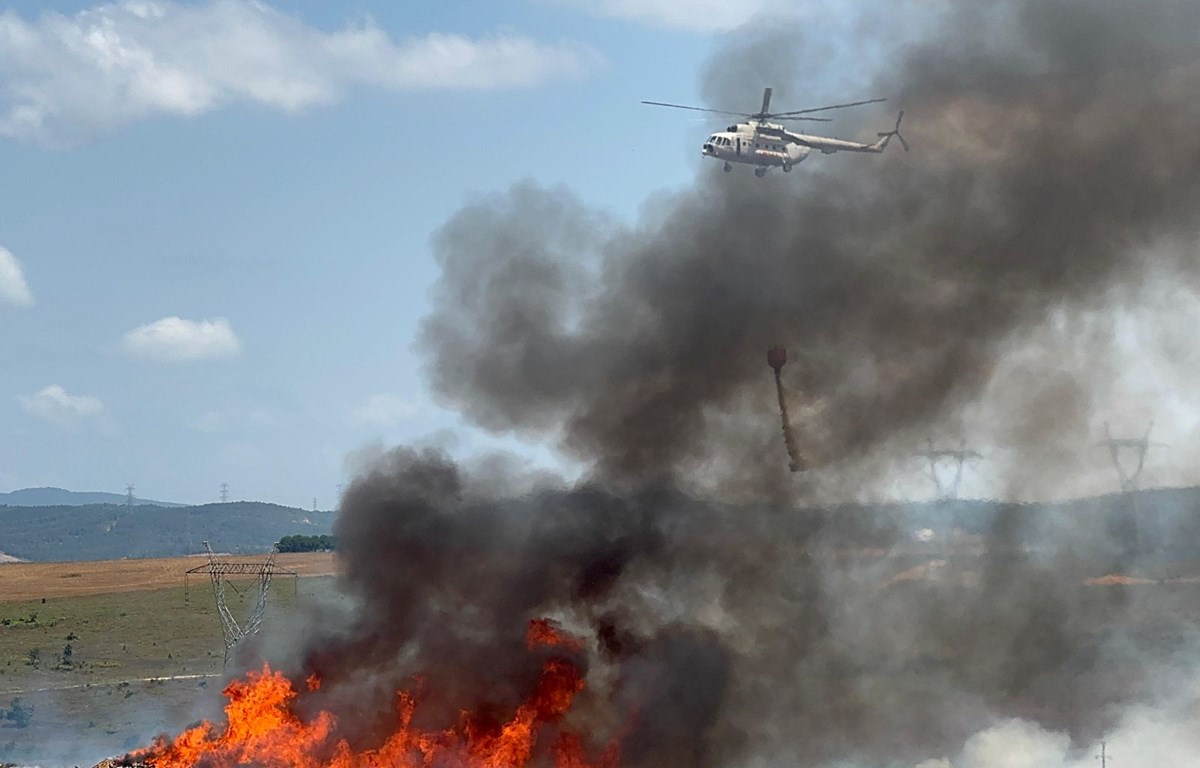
column 750, row 144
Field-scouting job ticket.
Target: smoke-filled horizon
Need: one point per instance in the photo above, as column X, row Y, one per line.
column 719, row 635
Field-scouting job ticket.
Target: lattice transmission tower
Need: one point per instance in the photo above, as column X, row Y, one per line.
column 220, row 572
column 1138, row 446
column 938, row 456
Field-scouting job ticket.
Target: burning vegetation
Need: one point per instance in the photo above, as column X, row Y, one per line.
column 262, row 728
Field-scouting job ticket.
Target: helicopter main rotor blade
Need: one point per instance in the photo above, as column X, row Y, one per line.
column 822, row 109
column 766, row 104
column 698, row 109
column 813, row 119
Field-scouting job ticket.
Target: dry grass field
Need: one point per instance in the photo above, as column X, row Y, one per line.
column 21, row 582
column 142, row 659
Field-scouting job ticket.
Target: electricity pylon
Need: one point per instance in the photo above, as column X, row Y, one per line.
column 937, row 456
column 220, row 571
column 1140, row 446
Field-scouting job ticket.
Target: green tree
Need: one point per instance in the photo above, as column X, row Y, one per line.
column 307, row 544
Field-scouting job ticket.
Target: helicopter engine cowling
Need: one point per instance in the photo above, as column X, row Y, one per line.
column 797, row 153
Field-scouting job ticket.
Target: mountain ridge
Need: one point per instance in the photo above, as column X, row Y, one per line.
column 52, row 496
column 116, row 531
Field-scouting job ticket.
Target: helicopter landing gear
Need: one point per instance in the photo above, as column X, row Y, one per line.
column 728, row 167
column 760, row 172
column 787, row 167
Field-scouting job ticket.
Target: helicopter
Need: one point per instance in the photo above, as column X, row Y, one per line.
column 766, row 144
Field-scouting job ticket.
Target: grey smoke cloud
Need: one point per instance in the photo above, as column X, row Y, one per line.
column 759, row 634
column 1054, row 168
column 1052, row 143
column 751, row 634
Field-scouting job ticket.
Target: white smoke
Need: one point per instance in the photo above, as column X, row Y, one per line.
column 1165, row 735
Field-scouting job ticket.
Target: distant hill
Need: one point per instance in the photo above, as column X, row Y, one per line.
column 59, row 497
column 114, row 531
column 1165, row 520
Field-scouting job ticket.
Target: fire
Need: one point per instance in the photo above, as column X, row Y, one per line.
column 544, row 632
column 262, row 728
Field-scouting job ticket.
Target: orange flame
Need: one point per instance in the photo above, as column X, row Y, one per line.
column 262, row 729
column 544, row 632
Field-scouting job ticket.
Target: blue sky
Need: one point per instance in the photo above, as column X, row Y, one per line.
column 215, row 215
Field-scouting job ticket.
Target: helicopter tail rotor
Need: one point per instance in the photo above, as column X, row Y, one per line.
column 887, row 135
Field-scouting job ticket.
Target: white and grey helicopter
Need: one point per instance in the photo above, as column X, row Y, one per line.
column 766, row 144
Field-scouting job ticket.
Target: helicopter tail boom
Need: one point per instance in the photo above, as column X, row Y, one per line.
column 829, row 145
column 886, row 136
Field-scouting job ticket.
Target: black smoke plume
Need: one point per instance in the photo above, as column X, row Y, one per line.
column 1053, row 144
column 1056, row 158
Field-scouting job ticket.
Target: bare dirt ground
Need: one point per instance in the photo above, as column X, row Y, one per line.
column 32, row 581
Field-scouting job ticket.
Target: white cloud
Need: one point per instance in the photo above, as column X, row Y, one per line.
column 384, row 411
column 695, row 15
column 64, row 77
column 712, row 15
column 174, row 339
column 53, row 404
column 13, row 288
